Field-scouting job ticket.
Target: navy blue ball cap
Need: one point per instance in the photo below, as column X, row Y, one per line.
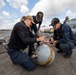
column 54, row 21
column 40, row 15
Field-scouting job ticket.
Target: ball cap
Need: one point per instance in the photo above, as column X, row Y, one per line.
column 30, row 18
column 40, row 16
column 54, row 21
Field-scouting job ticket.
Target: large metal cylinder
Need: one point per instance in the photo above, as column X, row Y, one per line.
column 46, row 55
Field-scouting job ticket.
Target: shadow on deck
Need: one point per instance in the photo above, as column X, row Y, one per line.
column 60, row 66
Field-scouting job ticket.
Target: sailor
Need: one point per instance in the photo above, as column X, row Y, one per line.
column 21, row 37
column 66, row 20
column 63, row 38
column 38, row 20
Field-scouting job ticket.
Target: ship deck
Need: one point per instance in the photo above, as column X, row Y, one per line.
column 60, row 66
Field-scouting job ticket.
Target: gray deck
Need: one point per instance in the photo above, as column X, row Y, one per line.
column 60, row 66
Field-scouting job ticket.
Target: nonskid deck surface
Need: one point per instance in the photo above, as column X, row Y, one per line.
column 60, row 66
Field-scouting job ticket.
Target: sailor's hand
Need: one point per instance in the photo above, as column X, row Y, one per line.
column 51, row 40
column 37, row 33
column 55, row 42
column 41, row 38
column 47, row 42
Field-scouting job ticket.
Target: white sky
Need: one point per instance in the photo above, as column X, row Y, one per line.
column 13, row 10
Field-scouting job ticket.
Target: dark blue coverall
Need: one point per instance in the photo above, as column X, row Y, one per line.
column 65, row 38
column 21, row 38
column 34, row 27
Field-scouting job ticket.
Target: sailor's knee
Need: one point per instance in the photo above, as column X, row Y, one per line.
column 29, row 65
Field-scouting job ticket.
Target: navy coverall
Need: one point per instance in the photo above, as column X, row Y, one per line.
column 34, row 27
column 21, row 38
column 65, row 38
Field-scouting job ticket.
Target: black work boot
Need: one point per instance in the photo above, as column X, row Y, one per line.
column 67, row 55
column 34, row 55
column 59, row 51
column 38, row 44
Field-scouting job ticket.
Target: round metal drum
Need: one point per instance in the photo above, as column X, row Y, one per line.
column 46, row 55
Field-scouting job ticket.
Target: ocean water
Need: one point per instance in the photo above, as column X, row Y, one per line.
column 5, row 35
